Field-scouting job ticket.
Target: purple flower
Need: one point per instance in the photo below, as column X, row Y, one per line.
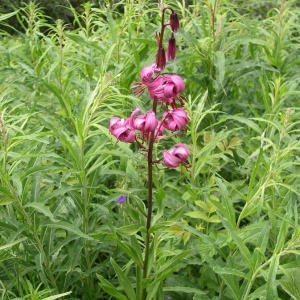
column 122, row 199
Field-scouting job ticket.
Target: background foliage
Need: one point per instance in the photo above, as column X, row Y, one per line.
column 226, row 228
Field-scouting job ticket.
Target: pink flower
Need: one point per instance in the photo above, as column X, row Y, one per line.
column 148, row 73
column 171, row 51
column 122, row 130
column 173, row 157
column 175, row 119
column 166, row 87
column 174, row 21
column 158, row 132
column 131, row 119
column 145, row 123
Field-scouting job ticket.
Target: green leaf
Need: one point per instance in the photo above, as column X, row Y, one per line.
column 203, row 216
column 281, row 237
column 110, row 289
column 168, row 267
column 57, row 296
column 40, row 207
column 133, row 253
column 128, row 229
column 183, row 289
column 228, row 271
column 226, row 206
column 7, row 246
column 70, row 228
column 249, row 123
column 5, row 199
column 124, row 282
column 271, row 288
column 197, row 215
column 290, row 282
column 8, row 15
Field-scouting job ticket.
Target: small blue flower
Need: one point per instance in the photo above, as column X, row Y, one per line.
column 254, row 156
column 122, row 199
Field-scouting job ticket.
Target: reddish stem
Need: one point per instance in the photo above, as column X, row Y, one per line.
column 150, row 196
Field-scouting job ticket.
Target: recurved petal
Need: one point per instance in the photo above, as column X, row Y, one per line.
column 170, row 90
column 129, row 122
column 170, row 160
column 151, row 121
column 181, row 151
column 128, row 136
column 113, row 122
column 178, row 82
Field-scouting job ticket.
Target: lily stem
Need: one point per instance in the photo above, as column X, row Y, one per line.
column 149, row 206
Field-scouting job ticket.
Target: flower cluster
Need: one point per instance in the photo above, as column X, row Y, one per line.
column 164, row 88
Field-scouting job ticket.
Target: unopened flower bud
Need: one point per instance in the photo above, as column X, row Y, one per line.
column 171, row 51
column 174, row 21
column 161, row 58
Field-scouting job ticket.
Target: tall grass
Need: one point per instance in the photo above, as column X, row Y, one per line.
column 226, row 228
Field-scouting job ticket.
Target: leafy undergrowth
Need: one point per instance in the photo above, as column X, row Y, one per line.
column 225, row 228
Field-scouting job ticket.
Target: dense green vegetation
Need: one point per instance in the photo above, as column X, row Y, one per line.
column 225, row 228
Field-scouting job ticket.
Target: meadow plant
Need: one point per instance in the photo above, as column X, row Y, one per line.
column 148, row 128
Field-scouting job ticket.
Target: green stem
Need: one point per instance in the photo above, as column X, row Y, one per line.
column 86, row 208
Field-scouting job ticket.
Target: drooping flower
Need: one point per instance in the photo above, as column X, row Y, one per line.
column 175, row 156
column 175, row 119
column 174, row 21
column 122, row 199
column 171, row 51
column 148, row 73
column 166, row 87
column 161, row 58
column 145, row 123
column 122, row 130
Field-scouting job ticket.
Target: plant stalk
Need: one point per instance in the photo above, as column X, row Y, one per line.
column 150, row 175
column 150, row 198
